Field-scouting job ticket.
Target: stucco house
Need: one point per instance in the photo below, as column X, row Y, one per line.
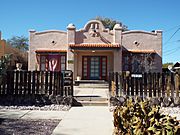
column 93, row 51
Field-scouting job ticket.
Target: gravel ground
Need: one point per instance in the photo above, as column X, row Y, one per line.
column 27, row 127
column 172, row 111
column 52, row 107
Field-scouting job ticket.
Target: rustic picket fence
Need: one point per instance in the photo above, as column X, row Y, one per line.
column 144, row 85
column 30, row 83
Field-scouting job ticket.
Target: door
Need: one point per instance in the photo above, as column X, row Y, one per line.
column 94, row 67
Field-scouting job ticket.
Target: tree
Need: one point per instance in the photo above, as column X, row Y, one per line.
column 19, row 42
column 109, row 23
column 165, row 65
column 4, row 64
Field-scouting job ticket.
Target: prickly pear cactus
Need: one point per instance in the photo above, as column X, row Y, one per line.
column 137, row 117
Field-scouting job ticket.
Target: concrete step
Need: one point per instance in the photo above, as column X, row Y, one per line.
column 93, row 86
column 91, row 100
column 94, row 103
column 91, row 81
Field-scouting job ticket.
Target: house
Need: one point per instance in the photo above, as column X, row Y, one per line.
column 17, row 55
column 93, row 51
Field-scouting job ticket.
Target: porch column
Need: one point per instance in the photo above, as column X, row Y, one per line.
column 71, row 31
column 118, row 60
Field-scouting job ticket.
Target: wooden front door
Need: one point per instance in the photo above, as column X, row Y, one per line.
column 94, row 67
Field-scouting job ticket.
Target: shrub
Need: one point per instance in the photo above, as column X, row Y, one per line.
column 137, row 117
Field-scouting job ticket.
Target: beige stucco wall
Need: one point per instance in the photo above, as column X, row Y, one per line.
column 78, row 60
column 117, row 58
column 146, row 41
column 43, row 41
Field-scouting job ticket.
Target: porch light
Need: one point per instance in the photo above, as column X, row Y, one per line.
column 93, row 51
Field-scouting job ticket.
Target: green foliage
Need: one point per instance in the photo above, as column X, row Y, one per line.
column 165, row 65
column 19, row 42
column 109, row 23
column 4, row 63
column 139, row 118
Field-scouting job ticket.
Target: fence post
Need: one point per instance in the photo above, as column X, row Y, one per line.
column 110, row 83
column 33, row 82
column 158, row 84
column 62, row 84
column 20, row 82
column 145, row 84
column 25, row 82
column 141, row 85
column 150, row 84
column 128, row 83
column 168, row 85
column 8, row 81
column 136, row 85
column 50, row 83
column 72, row 88
column 172, row 84
column 29, row 82
column 118, row 89
column 46, row 82
column 132, row 86
column 163, row 84
column 177, row 84
column 154, row 84
column 124, row 83
column 17, row 82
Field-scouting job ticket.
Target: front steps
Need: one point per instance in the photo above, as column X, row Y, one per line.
column 92, row 93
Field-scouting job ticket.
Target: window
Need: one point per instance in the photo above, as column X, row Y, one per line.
column 52, row 62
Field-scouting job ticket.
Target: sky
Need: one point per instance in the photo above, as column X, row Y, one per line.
column 17, row 17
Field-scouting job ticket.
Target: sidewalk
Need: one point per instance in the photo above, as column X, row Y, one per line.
column 32, row 114
column 87, row 120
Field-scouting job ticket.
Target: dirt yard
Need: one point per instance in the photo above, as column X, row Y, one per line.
column 27, row 127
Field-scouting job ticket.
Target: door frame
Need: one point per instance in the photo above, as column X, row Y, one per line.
column 89, row 64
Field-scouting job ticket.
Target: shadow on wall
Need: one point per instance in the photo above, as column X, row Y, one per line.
column 138, row 62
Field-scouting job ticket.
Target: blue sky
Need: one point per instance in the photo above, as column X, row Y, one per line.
column 18, row 16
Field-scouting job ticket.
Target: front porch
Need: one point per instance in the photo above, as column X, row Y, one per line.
column 95, row 64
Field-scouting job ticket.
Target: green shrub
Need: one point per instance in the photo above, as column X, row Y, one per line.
column 139, row 118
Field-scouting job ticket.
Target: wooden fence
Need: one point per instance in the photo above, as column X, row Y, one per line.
column 37, row 83
column 144, row 85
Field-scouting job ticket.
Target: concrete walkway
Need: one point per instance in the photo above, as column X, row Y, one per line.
column 87, row 120
column 32, row 114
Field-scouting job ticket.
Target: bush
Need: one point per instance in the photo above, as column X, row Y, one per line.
column 137, row 117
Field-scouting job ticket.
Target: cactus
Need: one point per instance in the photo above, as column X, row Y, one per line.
column 137, row 117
